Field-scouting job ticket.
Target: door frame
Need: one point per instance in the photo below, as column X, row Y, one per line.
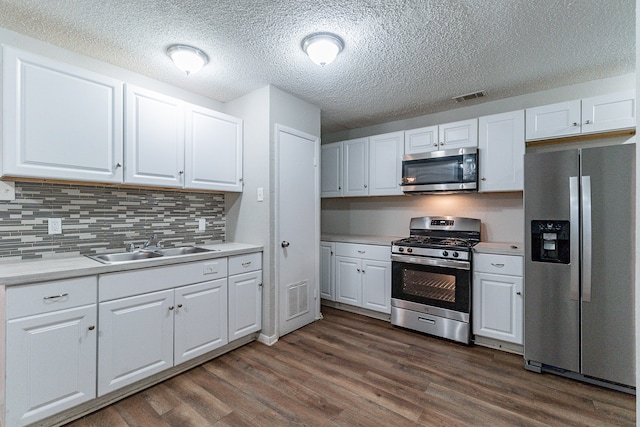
column 275, row 241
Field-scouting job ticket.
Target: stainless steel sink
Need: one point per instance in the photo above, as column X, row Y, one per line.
column 139, row 255
column 125, row 256
column 182, row 250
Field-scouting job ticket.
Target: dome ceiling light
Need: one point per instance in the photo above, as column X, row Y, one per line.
column 188, row 58
column 322, row 48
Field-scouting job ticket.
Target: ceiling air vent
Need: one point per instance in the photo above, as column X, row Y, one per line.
column 469, row 96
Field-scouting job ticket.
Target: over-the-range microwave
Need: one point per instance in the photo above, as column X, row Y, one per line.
column 441, row 171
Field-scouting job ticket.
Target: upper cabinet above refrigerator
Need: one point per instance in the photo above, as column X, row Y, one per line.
column 590, row 115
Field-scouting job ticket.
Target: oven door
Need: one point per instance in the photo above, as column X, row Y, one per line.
column 431, row 281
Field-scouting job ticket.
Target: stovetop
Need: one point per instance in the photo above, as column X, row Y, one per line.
column 453, row 243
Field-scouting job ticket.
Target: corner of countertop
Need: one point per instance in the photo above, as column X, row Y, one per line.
column 500, row 248
column 359, row 238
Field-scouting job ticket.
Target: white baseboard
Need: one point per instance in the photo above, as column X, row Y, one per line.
column 268, row 340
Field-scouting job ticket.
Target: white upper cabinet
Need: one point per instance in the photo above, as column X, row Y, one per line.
column 154, row 138
column 590, row 115
column 60, row 121
column 460, row 134
column 421, row 140
column 501, row 148
column 331, row 167
column 555, row 120
column 356, row 167
column 213, row 155
column 385, row 164
column 608, row 112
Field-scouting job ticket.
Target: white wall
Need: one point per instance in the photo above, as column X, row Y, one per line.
column 248, row 220
column 502, row 214
column 637, row 218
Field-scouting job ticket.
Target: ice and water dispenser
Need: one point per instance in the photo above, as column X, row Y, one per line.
column 550, row 241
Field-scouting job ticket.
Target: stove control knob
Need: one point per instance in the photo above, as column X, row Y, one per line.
column 456, row 254
column 409, row 250
column 445, row 253
column 400, row 249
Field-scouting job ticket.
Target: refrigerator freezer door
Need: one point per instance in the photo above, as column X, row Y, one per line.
column 552, row 313
column 608, row 333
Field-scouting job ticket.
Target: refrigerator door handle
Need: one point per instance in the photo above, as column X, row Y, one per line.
column 586, row 238
column 574, row 204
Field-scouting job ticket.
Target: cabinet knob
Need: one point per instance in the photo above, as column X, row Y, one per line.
column 339, row 188
column 483, row 179
column 285, row 244
column 435, row 144
column 575, row 124
column 358, row 270
column 179, row 305
column 92, row 327
column 171, row 307
column 588, row 122
column 365, row 186
column 118, row 165
column 518, row 293
column 181, row 172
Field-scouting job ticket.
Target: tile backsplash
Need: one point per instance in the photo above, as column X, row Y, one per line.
column 103, row 219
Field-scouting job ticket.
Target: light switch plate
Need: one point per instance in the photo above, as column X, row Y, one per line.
column 260, row 194
column 202, row 224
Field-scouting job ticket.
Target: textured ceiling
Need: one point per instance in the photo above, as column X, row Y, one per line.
column 402, row 58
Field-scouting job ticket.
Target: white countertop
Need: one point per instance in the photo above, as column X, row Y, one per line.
column 30, row 271
column 499, row 248
column 356, row 238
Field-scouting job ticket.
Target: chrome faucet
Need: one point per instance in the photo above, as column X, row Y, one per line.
column 146, row 244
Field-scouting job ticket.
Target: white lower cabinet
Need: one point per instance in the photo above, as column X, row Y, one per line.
column 136, row 339
column 245, row 295
column 327, row 270
column 50, row 349
column 497, row 297
column 363, row 276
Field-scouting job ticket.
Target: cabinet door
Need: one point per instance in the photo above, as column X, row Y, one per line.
column 327, row 270
column 355, row 172
column 497, row 307
column 501, row 149
column 154, row 138
column 51, row 363
column 553, row 121
column 60, row 121
column 136, row 339
column 609, row 112
column 421, row 140
column 458, row 134
column 200, row 319
column 348, row 281
column 385, row 164
column 376, row 285
column 245, row 304
column 213, row 153
column 331, row 169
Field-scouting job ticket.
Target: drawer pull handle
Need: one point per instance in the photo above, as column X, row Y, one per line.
column 499, row 265
column 425, row 320
column 362, row 252
column 92, row 327
column 57, row 296
column 246, row 264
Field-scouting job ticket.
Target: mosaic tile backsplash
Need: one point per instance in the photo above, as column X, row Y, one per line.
column 103, row 219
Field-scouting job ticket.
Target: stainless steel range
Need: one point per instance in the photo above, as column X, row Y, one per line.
column 431, row 276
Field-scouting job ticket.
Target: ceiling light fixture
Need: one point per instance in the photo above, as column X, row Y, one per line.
column 188, row 58
column 322, row 48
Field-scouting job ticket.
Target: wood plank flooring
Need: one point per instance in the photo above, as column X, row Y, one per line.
column 351, row 370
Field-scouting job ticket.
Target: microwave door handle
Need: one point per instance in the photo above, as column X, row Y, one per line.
column 586, row 239
column 574, row 243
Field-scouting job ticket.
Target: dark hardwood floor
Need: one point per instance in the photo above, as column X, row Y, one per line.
column 350, row 370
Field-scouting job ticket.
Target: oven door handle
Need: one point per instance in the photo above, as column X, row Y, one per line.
column 436, row 262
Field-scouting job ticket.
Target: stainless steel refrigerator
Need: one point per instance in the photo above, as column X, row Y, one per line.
column 579, row 263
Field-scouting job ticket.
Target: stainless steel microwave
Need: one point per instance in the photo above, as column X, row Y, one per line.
column 446, row 170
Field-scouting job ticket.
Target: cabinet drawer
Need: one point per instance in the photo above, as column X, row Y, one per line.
column 27, row 300
column 129, row 283
column 245, row 263
column 354, row 250
column 498, row 264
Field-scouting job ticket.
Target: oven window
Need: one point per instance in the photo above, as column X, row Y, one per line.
column 429, row 285
column 438, row 286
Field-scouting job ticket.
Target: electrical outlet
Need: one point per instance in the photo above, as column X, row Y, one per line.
column 202, row 224
column 7, row 190
column 55, row 225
